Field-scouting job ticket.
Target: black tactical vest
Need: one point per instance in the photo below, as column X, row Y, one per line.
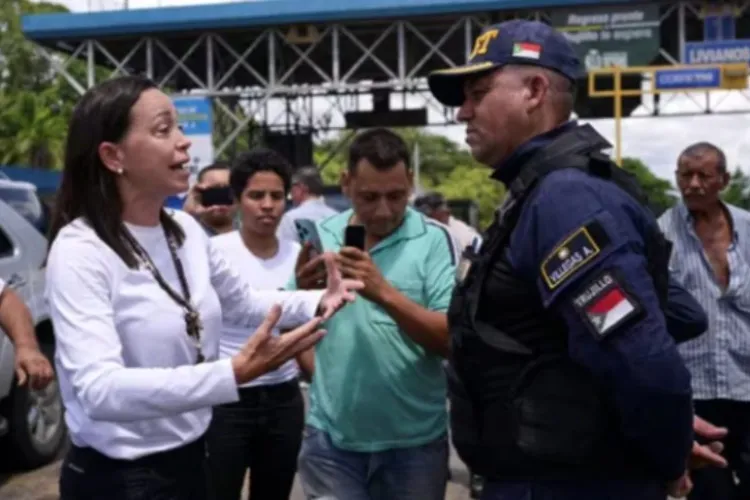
column 520, row 408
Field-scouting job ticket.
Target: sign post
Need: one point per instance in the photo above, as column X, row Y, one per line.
column 667, row 79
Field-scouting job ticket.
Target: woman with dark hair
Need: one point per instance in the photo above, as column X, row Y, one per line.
column 137, row 297
column 262, row 431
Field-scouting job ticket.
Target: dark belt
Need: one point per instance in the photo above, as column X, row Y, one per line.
column 188, row 452
column 261, row 393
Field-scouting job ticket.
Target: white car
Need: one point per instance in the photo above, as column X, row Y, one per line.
column 31, row 422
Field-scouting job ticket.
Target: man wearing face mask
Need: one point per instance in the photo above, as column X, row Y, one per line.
column 565, row 382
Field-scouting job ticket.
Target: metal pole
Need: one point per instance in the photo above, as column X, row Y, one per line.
column 618, row 115
column 90, row 64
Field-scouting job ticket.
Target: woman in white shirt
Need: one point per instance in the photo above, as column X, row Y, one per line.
column 137, row 297
column 263, row 430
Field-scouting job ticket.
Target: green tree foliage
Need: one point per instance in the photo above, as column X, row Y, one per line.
column 472, row 182
column 659, row 191
column 21, row 64
column 32, row 128
column 737, row 192
column 225, row 124
column 35, row 103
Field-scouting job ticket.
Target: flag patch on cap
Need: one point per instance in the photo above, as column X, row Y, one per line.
column 605, row 305
column 527, row 50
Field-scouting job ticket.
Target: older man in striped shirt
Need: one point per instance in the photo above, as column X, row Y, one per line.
column 711, row 259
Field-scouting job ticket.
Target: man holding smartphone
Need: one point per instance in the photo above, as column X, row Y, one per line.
column 377, row 423
column 211, row 201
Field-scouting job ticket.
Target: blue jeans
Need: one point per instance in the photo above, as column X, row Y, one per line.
column 329, row 473
column 561, row 490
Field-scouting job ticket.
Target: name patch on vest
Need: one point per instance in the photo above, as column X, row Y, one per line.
column 574, row 252
column 605, row 305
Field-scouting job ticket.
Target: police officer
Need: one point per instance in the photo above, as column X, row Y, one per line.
column 564, row 381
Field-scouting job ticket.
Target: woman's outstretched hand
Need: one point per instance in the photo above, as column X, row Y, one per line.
column 339, row 291
column 264, row 352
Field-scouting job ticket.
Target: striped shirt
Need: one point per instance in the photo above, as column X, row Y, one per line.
column 450, row 236
column 719, row 360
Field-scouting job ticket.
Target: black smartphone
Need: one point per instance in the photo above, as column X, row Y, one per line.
column 354, row 236
column 218, row 195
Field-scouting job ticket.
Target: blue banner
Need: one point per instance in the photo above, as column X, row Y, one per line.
column 195, row 115
column 176, row 202
column 719, row 27
column 687, row 78
column 719, row 52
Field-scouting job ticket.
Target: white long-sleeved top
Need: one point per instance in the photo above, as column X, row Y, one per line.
column 267, row 274
column 125, row 364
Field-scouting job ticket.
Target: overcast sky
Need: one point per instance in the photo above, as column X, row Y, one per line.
column 657, row 141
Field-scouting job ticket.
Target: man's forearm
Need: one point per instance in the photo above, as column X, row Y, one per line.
column 16, row 320
column 306, row 363
column 427, row 328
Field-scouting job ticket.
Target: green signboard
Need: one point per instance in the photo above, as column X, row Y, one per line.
column 611, row 36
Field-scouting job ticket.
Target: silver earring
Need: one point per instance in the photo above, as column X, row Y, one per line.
column 119, row 171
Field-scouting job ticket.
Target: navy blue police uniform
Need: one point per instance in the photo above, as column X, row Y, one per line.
column 685, row 317
column 564, row 379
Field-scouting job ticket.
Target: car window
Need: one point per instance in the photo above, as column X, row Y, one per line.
column 26, row 203
column 6, row 246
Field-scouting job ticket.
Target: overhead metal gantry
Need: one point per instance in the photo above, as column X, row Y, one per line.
column 290, row 64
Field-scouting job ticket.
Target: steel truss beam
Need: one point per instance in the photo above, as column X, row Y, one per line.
column 284, row 80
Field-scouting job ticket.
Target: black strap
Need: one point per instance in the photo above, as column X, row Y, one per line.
column 146, row 259
column 192, row 317
column 572, row 149
column 528, row 177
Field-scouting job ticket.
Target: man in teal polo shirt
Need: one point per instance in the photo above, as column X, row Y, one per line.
column 377, row 425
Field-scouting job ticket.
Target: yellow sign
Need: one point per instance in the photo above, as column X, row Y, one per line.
column 734, row 76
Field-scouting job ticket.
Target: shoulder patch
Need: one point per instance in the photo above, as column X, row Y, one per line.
column 605, row 305
column 577, row 249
